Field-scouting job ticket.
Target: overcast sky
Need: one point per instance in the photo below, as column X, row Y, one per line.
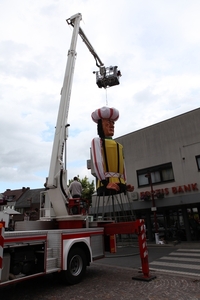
column 155, row 44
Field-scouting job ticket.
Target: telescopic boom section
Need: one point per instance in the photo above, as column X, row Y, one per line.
column 86, row 41
column 58, row 145
column 57, row 183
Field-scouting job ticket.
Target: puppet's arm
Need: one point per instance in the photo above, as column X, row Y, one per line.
column 97, row 159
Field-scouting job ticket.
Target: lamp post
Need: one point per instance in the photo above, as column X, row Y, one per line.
column 153, row 208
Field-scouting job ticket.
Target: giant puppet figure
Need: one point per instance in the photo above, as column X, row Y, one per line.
column 107, row 154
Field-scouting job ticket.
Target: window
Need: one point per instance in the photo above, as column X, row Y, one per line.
column 198, row 161
column 159, row 174
column 10, row 198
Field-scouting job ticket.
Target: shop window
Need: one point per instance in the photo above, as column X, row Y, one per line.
column 159, row 174
column 198, row 161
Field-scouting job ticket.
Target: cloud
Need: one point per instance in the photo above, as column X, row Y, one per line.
column 155, row 44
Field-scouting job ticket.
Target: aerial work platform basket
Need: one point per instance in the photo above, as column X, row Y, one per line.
column 107, row 77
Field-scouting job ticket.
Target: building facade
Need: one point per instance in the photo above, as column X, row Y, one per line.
column 163, row 164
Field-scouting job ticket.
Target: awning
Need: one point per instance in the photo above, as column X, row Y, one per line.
column 10, row 211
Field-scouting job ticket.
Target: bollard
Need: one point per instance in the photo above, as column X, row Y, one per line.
column 143, row 252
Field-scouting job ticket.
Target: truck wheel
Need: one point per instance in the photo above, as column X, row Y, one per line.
column 76, row 266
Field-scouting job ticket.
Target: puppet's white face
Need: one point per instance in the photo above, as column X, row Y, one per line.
column 108, row 127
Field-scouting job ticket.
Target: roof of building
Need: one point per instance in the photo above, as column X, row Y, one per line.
column 14, row 195
column 29, row 198
column 183, row 115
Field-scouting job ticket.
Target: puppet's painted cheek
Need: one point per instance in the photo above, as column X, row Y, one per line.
column 108, row 127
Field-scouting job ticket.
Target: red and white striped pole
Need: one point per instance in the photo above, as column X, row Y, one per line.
column 2, row 228
column 140, row 225
column 143, row 248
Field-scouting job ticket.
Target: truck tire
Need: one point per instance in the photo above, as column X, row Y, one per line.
column 76, row 266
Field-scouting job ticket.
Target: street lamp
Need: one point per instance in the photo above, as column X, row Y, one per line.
column 153, row 208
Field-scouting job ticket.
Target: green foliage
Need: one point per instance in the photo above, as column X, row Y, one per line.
column 88, row 188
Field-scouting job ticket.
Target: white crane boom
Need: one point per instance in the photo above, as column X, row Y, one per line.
column 57, row 182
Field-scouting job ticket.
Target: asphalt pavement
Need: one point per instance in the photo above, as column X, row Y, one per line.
column 105, row 281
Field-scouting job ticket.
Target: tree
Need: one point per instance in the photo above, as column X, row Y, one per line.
column 88, row 188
